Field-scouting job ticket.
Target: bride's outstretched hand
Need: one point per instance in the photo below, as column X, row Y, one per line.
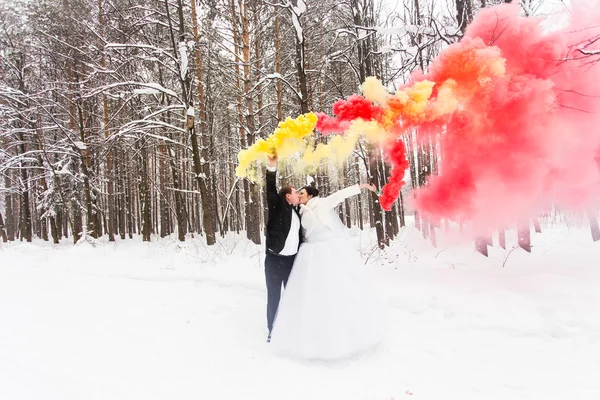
column 369, row 186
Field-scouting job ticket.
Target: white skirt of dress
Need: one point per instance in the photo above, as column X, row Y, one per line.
column 328, row 310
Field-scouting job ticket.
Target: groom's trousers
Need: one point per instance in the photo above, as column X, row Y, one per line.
column 277, row 272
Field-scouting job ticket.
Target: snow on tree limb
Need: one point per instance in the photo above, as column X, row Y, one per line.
column 183, row 59
column 119, row 46
column 589, row 52
column 276, row 76
column 297, row 12
column 150, row 85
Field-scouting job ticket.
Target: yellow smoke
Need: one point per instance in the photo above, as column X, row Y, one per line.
column 340, row 147
column 292, row 141
column 371, row 130
column 336, row 151
column 288, row 139
column 446, row 101
column 374, row 90
column 416, row 98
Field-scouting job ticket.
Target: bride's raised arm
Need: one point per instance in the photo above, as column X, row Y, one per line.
column 336, row 198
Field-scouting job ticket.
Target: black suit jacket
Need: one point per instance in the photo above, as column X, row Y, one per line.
column 280, row 217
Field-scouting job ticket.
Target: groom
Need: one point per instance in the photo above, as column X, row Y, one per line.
column 283, row 239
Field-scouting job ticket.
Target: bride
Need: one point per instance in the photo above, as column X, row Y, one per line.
column 328, row 310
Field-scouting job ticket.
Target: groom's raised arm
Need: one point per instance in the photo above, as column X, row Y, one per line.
column 271, row 176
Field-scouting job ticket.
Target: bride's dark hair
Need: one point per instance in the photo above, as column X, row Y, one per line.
column 311, row 190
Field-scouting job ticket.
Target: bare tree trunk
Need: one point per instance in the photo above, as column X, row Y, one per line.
column 57, row 225
column 432, row 234
column 232, row 213
column 10, row 213
column 358, row 198
column 345, row 206
column 26, row 231
column 423, row 161
column 3, row 229
column 464, row 14
column 238, row 209
column 401, row 209
column 155, row 189
column 144, row 191
column 502, row 238
column 137, row 206
column 394, row 220
column 110, row 185
column 377, row 210
column 203, row 170
column 215, row 204
column 38, row 223
column 481, row 244
column 253, row 209
column 77, row 221
column 391, row 218
column 434, row 155
column 278, row 66
column 60, row 217
column 258, row 9
column 65, row 225
column 240, row 113
column 164, row 206
column 388, row 230
column 425, row 227
column 536, row 225
column 593, row 219
column 129, row 204
column 53, row 230
column 300, row 39
column 366, row 68
column 370, row 204
column 180, row 207
column 414, row 176
column 85, row 163
column 185, row 80
column 123, row 196
column 524, row 236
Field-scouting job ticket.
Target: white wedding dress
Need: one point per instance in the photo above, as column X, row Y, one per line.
column 328, row 310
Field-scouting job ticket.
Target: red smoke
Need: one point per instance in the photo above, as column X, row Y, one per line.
column 356, row 107
column 515, row 111
column 328, row 125
column 526, row 139
column 397, row 157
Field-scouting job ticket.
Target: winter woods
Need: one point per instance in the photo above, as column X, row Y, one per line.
column 123, row 119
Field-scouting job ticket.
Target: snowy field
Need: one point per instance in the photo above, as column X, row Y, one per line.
column 168, row 320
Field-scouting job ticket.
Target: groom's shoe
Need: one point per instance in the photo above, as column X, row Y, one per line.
column 269, row 338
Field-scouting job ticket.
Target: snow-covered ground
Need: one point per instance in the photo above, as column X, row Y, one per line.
column 168, row 320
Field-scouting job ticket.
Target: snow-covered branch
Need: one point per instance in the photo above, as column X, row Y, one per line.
column 150, row 86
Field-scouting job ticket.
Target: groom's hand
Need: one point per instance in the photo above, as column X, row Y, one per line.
column 272, row 161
